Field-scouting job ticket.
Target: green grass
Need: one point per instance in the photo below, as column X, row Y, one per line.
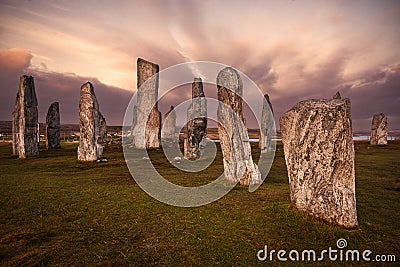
column 55, row 210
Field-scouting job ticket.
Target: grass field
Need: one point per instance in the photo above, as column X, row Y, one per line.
column 55, row 210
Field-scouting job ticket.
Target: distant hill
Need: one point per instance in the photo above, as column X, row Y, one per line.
column 6, row 128
column 68, row 129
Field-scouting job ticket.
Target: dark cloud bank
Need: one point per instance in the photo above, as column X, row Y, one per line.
column 372, row 92
column 61, row 87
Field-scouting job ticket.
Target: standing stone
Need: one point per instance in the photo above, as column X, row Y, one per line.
column 168, row 132
column 379, row 130
column 235, row 145
column 337, row 96
column 197, row 122
column 25, row 120
column 103, row 131
column 267, row 120
column 53, row 126
column 90, row 121
column 147, row 115
column 319, row 154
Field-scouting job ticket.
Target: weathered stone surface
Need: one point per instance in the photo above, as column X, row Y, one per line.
column 337, row 96
column 25, row 125
column 267, row 121
column 103, row 131
column 147, row 84
column 197, row 122
column 168, row 133
column 235, row 145
column 91, row 125
column 319, row 153
column 53, row 126
column 379, row 130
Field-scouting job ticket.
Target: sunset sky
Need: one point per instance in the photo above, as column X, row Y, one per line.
column 293, row 50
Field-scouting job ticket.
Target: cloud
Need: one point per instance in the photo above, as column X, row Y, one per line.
column 292, row 50
column 379, row 92
column 371, row 92
column 14, row 60
column 53, row 86
column 65, row 88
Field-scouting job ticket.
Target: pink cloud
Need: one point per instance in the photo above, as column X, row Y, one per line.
column 14, row 60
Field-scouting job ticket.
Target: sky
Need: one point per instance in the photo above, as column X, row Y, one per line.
column 293, row 50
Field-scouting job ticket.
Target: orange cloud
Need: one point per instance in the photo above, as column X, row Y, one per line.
column 15, row 59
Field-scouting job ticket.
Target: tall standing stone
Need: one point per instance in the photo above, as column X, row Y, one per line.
column 146, row 130
column 267, row 121
column 90, row 123
column 103, row 131
column 235, row 145
column 25, row 120
column 168, row 132
column 379, row 130
column 319, row 154
column 53, row 126
column 197, row 121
